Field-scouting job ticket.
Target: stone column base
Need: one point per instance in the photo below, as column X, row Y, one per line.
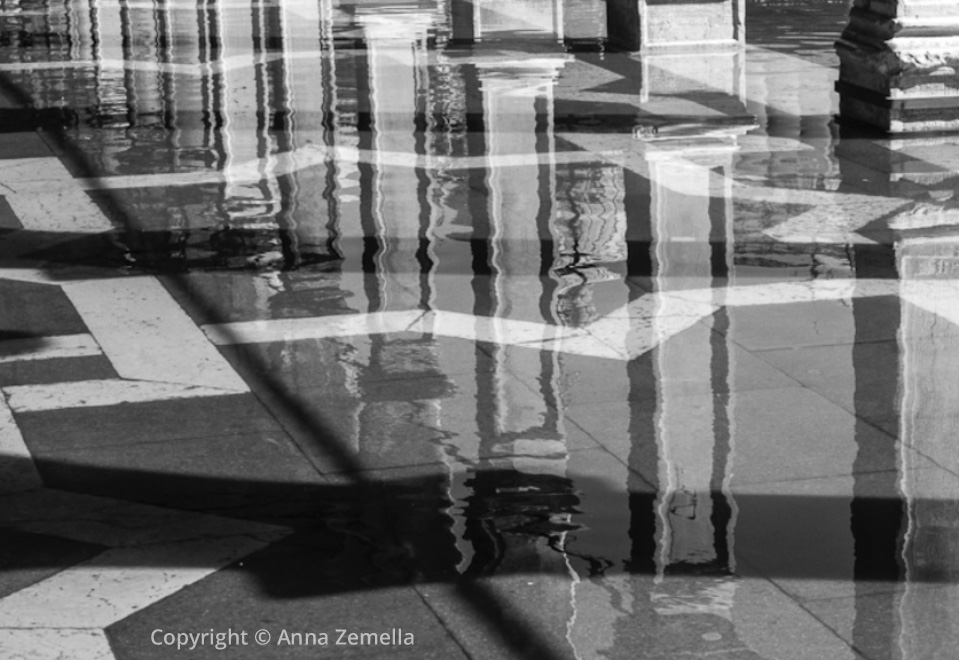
column 900, row 73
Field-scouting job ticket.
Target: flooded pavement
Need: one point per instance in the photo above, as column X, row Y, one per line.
column 442, row 324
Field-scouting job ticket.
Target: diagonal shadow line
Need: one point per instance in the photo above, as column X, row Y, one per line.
column 481, row 599
column 404, row 521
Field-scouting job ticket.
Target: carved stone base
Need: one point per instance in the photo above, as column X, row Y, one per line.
column 899, row 66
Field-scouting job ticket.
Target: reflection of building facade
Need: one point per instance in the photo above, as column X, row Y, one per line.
column 541, row 239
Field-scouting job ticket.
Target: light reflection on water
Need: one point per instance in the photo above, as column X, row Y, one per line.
column 642, row 483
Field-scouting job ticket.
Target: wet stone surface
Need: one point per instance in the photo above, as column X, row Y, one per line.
column 452, row 319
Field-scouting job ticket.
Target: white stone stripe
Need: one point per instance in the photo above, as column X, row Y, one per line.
column 49, row 208
column 623, row 334
column 54, row 644
column 48, row 348
column 92, row 393
column 313, row 327
column 20, row 170
column 17, row 471
column 147, row 336
column 62, row 209
column 121, row 581
column 836, row 224
column 36, row 181
column 612, row 338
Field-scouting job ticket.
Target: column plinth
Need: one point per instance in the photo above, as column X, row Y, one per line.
column 899, row 65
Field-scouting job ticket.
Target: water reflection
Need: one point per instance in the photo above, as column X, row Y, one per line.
column 425, row 171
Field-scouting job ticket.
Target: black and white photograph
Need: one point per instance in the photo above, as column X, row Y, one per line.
column 479, row 329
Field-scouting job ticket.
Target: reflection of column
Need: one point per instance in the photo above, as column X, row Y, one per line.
column 513, row 91
column 396, row 48
column 503, row 19
column 648, row 24
column 185, row 104
column 929, row 403
column 590, row 225
column 81, row 30
column 682, row 252
column 242, row 97
column 692, row 518
column 108, row 45
column 143, row 35
column 304, row 223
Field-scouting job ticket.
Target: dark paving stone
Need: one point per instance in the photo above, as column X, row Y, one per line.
column 28, row 558
column 58, row 370
column 131, row 424
column 8, row 219
column 22, row 145
column 37, row 310
column 762, row 327
column 205, row 474
column 861, row 378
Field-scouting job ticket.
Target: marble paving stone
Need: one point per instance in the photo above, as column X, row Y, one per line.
column 147, row 335
column 108, row 587
column 29, row 558
column 100, row 393
column 41, row 372
column 50, row 644
column 258, row 593
column 548, row 461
